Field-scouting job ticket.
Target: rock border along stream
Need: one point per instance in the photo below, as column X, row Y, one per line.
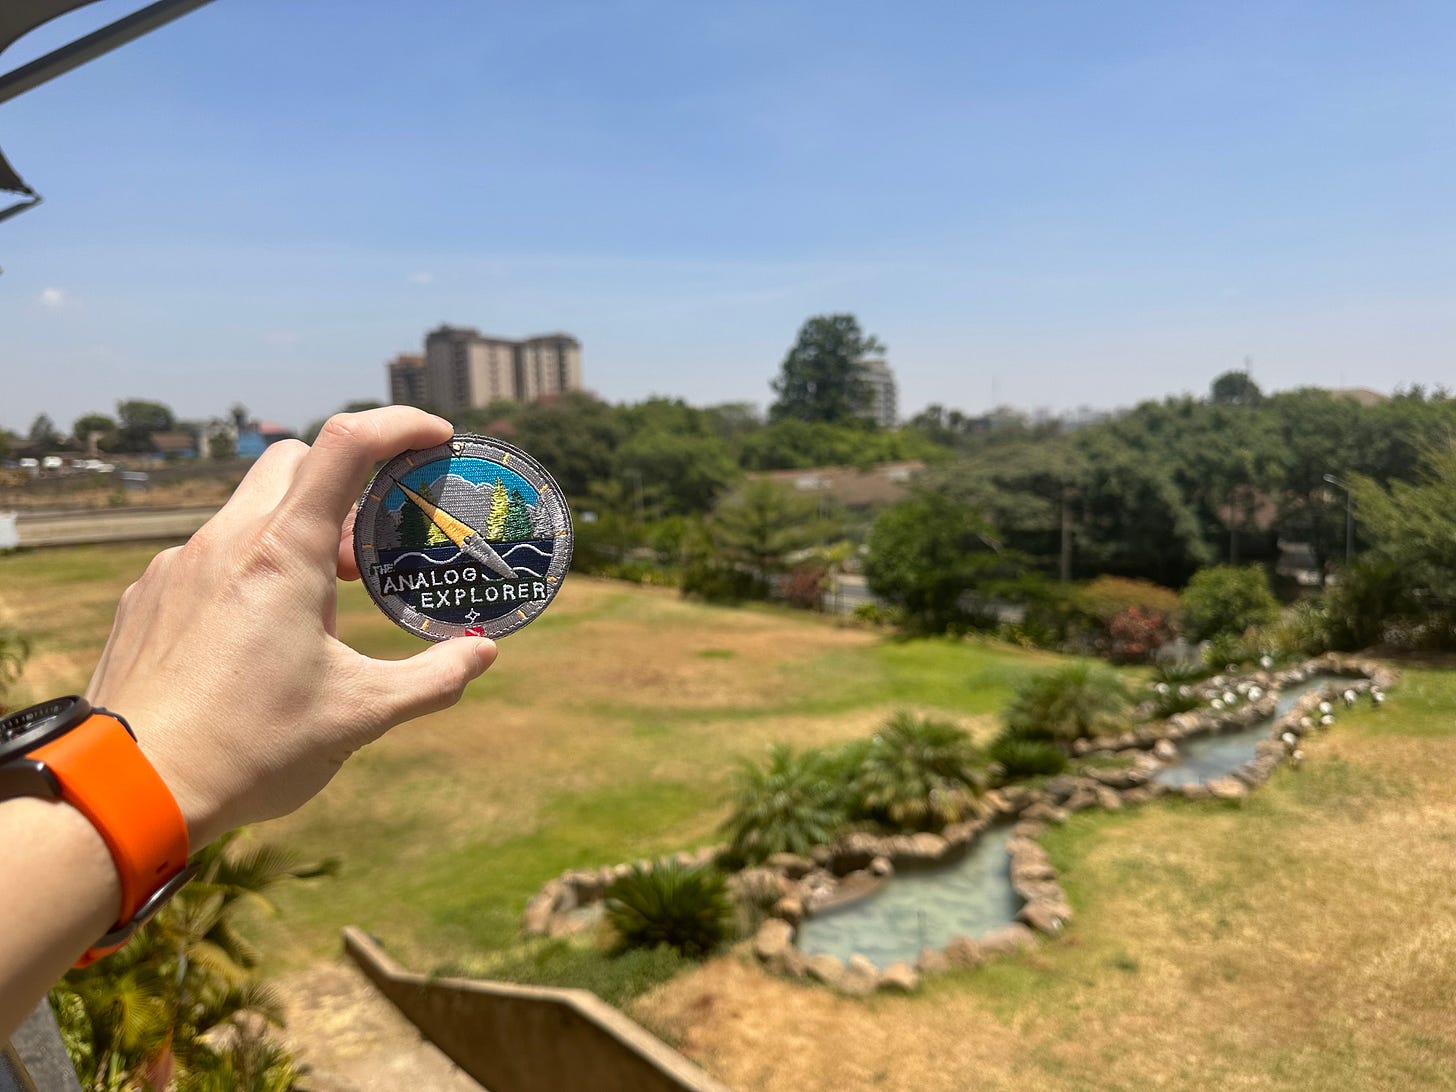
column 794, row 887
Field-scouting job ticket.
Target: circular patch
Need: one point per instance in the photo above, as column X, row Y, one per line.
column 468, row 539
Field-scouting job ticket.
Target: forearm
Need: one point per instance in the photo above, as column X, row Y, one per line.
column 60, row 893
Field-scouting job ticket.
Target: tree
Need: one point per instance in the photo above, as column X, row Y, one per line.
column 819, row 379
column 43, row 435
column 221, row 443
column 1225, row 600
column 790, row 804
column 170, row 996
column 1235, row 389
column 929, row 553
column 1412, row 527
column 762, row 523
column 500, row 508
column 1065, row 705
column 94, row 424
column 138, row 419
column 918, row 774
column 684, row 473
column 518, row 521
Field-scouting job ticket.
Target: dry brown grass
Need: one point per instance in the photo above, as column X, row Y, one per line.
column 1306, row 940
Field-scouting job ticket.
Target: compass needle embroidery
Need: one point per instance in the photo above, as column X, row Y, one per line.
column 471, row 538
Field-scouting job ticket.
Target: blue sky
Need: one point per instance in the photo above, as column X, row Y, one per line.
column 1042, row 204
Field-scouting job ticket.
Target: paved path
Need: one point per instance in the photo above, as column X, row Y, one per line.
column 110, row 525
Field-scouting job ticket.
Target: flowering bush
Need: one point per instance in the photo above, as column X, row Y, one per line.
column 1136, row 633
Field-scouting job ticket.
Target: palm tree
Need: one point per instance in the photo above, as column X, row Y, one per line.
column 1077, row 701
column 790, row 804
column 918, row 774
column 165, row 1001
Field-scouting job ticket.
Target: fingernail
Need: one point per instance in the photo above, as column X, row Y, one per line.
column 485, row 652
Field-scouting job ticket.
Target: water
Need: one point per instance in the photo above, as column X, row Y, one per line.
column 1219, row 754
column 922, row 909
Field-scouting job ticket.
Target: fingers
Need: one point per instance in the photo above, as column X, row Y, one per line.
column 329, row 479
column 267, row 480
column 348, row 563
column 428, row 681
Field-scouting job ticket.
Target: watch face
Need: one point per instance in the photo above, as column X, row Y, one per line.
column 25, row 729
column 468, row 539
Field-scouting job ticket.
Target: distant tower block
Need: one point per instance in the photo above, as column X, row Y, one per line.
column 464, row 369
column 881, row 406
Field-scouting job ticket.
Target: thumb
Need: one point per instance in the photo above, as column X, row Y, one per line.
column 430, row 680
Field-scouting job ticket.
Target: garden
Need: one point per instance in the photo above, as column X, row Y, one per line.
column 1191, row 920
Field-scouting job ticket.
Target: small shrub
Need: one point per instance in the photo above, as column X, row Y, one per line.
column 790, row 804
column 1302, row 630
column 1135, row 634
column 687, row 909
column 1108, row 596
column 1228, row 650
column 917, row 774
column 615, row 977
column 1225, row 600
column 804, row 587
column 1076, row 701
column 1027, row 757
column 1371, row 594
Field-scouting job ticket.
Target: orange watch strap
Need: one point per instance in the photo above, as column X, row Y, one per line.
column 104, row 775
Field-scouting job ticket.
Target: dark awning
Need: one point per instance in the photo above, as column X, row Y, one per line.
column 20, row 17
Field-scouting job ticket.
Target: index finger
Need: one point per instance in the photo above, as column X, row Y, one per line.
column 331, row 476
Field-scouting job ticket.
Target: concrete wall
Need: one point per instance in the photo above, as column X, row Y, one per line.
column 528, row 1038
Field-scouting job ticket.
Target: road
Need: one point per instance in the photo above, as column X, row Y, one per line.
column 109, row 525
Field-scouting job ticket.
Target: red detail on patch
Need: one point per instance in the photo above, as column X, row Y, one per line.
column 475, row 631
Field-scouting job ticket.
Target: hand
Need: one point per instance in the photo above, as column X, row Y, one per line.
column 224, row 656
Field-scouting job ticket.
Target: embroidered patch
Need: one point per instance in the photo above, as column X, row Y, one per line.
column 470, row 538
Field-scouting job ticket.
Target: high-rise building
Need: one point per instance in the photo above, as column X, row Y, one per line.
column 881, row 406
column 465, row 369
column 548, row 364
column 407, row 380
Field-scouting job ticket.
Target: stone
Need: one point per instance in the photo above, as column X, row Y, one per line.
column 774, row 937
column 899, row 978
column 1060, row 787
column 964, row 952
column 536, row 921
column 922, row 847
column 959, row 834
column 932, row 961
column 824, row 968
column 1046, row 811
column 993, row 802
column 1043, row 917
column 882, row 866
column 1195, row 792
column 758, row 886
column 1016, row 796
column 1227, row 788
column 1165, row 750
column 1008, row 938
column 791, row 865
column 1107, row 799
column 1081, row 799
column 790, row 909
column 1140, row 795
column 860, row 976
column 1032, row 871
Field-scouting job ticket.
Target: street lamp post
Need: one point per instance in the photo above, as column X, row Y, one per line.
column 1349, row 516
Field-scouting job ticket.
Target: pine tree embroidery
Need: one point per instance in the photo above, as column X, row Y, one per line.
column 433, row 535
column 500, row 504
column 518, row 523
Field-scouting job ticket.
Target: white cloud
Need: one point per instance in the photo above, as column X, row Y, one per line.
column 421, row 277
column 53, row 298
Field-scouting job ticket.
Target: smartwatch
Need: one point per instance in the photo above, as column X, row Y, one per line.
column 64, row 750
